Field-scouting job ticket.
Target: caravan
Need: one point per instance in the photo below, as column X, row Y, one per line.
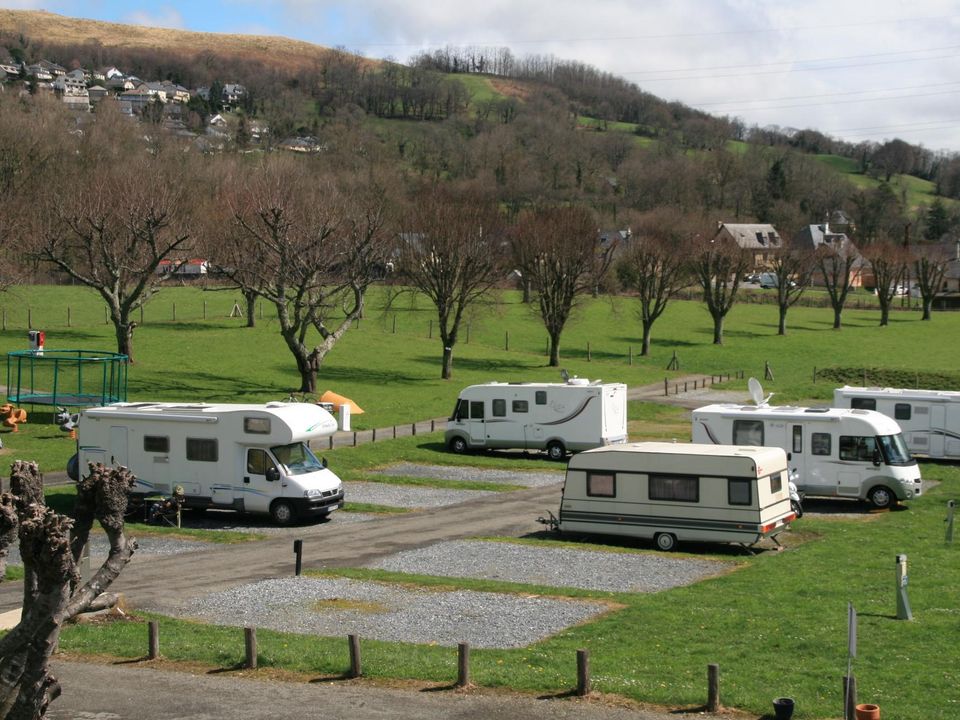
column 249, row 458
column 929, row 419
column 832, row 452
column 677, row 492
column 556, row 417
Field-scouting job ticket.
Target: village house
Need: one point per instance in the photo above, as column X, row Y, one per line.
column 815, row 237
column 761, row 239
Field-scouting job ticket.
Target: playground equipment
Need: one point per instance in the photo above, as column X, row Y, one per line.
column 12, row 416
column 71, row 378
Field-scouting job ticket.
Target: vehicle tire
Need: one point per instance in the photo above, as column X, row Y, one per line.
column 665, row 541
column 282, row 512
column 797, row 508
column 556, row 450
column 458, row 445
column 882, row 497
column 73, row 468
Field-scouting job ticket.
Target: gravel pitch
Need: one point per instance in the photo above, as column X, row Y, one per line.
column 263, row 525
column 556, row 567
column 153, row 545
column 383, row 611
column 471, row 474
column 407, row 496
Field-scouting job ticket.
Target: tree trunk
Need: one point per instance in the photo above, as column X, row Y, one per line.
column 309, row 367
column 884, row 315
column 837, row 312
column 123, row 329
column 718, row 329
column 251, row 301
column 645, row 342
column 927, row 303
column 447, row 371
column 782, row 325
column 554, row 350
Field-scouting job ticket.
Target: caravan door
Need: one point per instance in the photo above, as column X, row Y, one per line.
column 938, row 422
column 256, row 491
column 118, row 445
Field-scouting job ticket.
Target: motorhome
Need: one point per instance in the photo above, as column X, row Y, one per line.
column 249, row 458
column 674, row 492
column 557, row 417
column 929, row 419
column 831, row 452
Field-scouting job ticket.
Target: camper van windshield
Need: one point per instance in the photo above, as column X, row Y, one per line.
column 296, row 458
column 895, row 450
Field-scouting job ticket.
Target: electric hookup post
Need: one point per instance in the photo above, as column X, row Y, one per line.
column 298, row 551
column 903, row 602
column 951, row 504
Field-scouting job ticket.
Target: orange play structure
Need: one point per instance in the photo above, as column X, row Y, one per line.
column 337, row 400
column 12, row 416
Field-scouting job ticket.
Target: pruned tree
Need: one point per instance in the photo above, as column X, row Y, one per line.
column 566, row 260
column 654, row 264
column 839, row 264
column 888, row 259
column 293, row 239
column 50, row 546
column 451, row 251
column 930, row 263
column 718, row 265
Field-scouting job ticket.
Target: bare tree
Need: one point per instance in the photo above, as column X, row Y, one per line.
column 654, row 264
column 839, row 264
column 451, row 252
column 565, row 261
column 718, row 266
column 930, row 264
column 888, row 261
column 50, row 546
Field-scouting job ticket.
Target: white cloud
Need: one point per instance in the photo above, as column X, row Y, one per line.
column 166, row 16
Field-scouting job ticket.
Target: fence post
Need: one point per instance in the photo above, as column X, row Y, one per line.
column 394, row 432
column 630, row 356
column 394, row 324
column 204, row 309
column 463, row 664
column 506, row 340
column 354, row 438
column 433, row 425
column 298, row 552
column 413, row 429
column 250, row 647
column 174, row 312
column 583, row 672
column 713, row 687
column 355, row 669
column 68, row 316
column 331, row 442
column 30, row 316
column 430, row 329
column 374, row 436
column 666, row 388
column 153, row 640
column 588, row 351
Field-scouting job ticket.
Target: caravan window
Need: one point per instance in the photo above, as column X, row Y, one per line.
column 258, row 462
column 820, row 444
column 855, row 447
column 202, row 450
column 601, row 485
column 156, row 443
column 521, row 406
column 863, row 403
column 776, row 482
column 798, row 438
column 748, row 432
column 679, row 488
column 739, row 492
column 499, row 408
column 901, row 411
column 476, row 409
column 256, row 425
column 540, row 397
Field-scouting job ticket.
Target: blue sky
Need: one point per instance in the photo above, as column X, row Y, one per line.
column 856, row 69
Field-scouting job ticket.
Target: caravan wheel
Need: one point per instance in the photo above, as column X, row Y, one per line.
column 665, row 541
column 556, row 451
column 458, row 445
column 282, row 512
column 881, row 497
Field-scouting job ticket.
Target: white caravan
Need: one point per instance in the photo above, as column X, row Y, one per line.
column 249, row 458
column 556, row 417
column 831, row 452
column 677, row 492
column 929, row 419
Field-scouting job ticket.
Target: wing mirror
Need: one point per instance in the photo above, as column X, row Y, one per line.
column 273, row 474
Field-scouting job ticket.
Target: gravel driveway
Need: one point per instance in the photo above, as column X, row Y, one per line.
column 471, row 474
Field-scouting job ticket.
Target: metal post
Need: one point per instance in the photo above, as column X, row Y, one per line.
column 951, row 504
column 903, row 602
column 849, row 696
column 713, row 687
column 298, row 551
column 250, row 647
column 355, row 669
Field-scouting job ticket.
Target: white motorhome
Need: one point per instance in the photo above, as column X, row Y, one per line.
column 556, row 417
column 831, row 452
column 929, row 419
column 677, row 492
column 249, row 458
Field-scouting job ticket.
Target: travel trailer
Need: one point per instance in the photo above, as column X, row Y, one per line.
column 556, row 417
column 929, row 419
column 674, row 492
column 248, row 458
column 832, row 452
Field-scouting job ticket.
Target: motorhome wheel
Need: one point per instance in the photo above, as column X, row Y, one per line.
column 556, row 451
column 666, row 541
column 881, row 497
column 458, row 445
column 282, row 512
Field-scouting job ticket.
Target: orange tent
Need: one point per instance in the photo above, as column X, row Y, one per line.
column 337, row 400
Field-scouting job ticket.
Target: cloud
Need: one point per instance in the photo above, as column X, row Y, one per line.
column 166, row 16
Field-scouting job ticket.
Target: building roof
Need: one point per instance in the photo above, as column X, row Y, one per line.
column 752, row 236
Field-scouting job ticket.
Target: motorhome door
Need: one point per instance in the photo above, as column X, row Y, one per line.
column 118, row 445
column 938, row 422
column 257, row 489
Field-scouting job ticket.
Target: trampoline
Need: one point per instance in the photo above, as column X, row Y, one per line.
column 67, row 378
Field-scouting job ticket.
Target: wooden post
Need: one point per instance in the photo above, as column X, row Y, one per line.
column 583, row 672
column 430, row 329
column 463, row 664
column 394, row 432
column 68, row 316
column 713, row 687
column 298, row 552
column 588, row 351
column 174, row 312
column 141, row 314
column 30, row 316
column 204, row 309
column 849, row 696
column 354, row 438
column 374, row 436
column 413, row 429
column 331, row 442
column 433, row 425
column 630, row 360
column 506, row 340
column 153, row 640
column 394, row 324
column 250, row 648
column 666, row 388
column 355, row 669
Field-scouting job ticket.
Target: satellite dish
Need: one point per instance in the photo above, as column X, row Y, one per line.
column 756, row 393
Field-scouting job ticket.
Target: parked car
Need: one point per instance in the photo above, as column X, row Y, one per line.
column 752, row 278
column 768, row 281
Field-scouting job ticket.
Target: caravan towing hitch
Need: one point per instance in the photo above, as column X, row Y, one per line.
column 552, row 523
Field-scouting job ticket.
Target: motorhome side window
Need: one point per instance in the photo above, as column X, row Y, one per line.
column 820, row 443
column 499, row 408
column 856, row 447
column 748, row 432
column 258, row 462
column 798, row 438
column 601, row 485
column 776, row 482
column 540, row 397
column 202, row 449
column 156, row 443
column 476, row 409
column 739, row 492
column 863, row 403
column 521, row 406
column 901, row 411
column 678, row 488
column 256, row 425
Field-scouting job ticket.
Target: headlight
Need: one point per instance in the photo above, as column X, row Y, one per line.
column 313, row 492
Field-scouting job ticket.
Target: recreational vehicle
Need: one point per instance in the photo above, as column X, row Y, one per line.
column 831, row 452
column 929, row 419
column 556, row 417
column 677, row 492
column 249, row 458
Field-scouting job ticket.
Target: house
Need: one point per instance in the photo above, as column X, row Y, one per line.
column 761, row 239
column 10, row 66
column 175, row 93
column 815, row 237
column 121, row 84
column 137, row 98
column 38, row 72
column 156, row 89
column 186, row 268
column 232, row 94
column 96, row 93
column 70, row 86
column 614, row 240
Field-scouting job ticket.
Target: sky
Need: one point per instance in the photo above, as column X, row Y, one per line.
column 852, row 69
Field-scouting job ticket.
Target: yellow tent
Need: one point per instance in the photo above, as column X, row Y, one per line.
column 337, row 400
